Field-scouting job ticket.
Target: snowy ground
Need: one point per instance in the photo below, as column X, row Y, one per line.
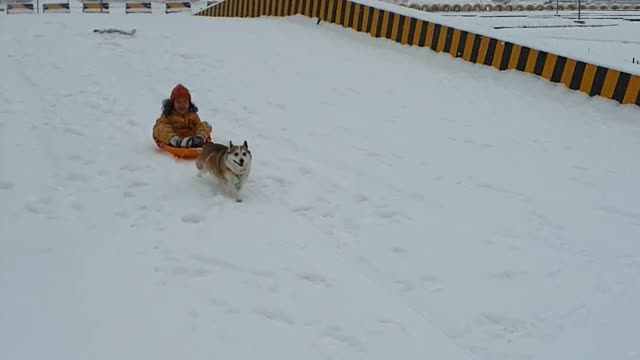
column 402, row 204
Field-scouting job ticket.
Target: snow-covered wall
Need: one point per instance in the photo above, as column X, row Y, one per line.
column 412, row 27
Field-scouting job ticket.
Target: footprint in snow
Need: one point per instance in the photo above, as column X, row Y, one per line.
column 389, row 214
column 327, row 215
column 315, row 279
column 131, row 167
column 399, row 251
column 303, row 208
column 78, row 178
column 76, row 206
column 503, row 326
column 277, row 105
column 32, row 208
column 190, row 272
column 137, row 184
column 386, row 326
column 73, row 131
column 121, row 214
column 37, row 207
column 405, row 286
column 279, row 180
column 336, row 334
column 276, row 315
column 248, row 109
column 305, row 171
column 6, row 185
column 507, row 274
column 79, row 159
column 361, row 198
column 192, row 219
column 432, row 283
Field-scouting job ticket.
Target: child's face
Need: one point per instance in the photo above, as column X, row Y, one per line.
column 181, row 105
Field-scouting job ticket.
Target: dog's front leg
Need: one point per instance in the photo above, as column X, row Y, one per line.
column 233, row 186
column 236, row 186
column 234, row 192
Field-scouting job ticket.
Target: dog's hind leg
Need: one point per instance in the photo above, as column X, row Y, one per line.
column 199, row 166
column 200, row 162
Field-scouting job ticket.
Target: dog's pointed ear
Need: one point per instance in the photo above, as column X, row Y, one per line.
column 245, row 144
column 230, row 144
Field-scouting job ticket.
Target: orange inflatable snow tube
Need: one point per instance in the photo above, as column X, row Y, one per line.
column 183, row 153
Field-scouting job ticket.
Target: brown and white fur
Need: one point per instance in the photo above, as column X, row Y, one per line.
column 229, row 165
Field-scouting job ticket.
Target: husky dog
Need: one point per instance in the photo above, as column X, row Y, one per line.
column 229, row 165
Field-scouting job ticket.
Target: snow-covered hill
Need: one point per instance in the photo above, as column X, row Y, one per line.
column 402, row 205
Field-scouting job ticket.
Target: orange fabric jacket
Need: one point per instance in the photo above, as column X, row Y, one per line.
column 167, row 127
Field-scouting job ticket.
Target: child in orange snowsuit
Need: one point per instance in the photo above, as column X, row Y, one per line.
column 179, row 125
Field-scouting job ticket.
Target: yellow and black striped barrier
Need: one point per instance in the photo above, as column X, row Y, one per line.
column 138, row 8
column 174, row 7
column 95, row 7
column 475, row 48
column 19, row 8
column 62, row 8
